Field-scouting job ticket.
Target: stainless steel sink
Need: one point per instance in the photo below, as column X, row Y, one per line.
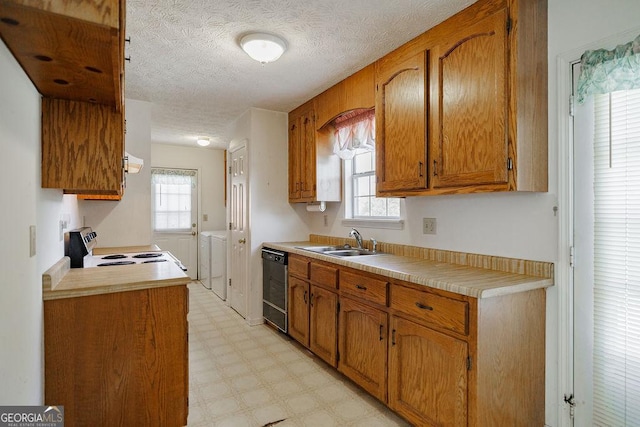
column 338, row 251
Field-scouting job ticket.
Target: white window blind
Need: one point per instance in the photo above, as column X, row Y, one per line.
column 172, row 199
column 616, row 355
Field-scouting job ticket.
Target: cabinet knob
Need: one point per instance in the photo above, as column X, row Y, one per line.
column 243, row 241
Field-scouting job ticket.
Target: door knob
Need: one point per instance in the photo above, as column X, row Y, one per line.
column 193, row 233
column 243, row 241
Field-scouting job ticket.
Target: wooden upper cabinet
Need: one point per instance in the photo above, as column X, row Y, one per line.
column 302, row 154
column 90, row 67
column 401, row 146
column 483, row 125
column 82, row 148
column 355, row 92
column 314, row 171
column 469, row 108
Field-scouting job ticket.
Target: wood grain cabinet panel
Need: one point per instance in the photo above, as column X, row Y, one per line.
column 469, row 114
column 401, row 120
column 439, row 311
column 118, row 359
column 363, row 286
column 427, row 375
column 362, row 346
column 69, row 49
column 313, row 308
column 355, row 92
column 298, row 266
column 82, row 147
column 323, row 324
column 298, row 310
column 314, row 171
column 324, row 275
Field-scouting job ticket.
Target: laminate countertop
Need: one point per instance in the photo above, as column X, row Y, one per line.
column 460, row 279
column 61, row 281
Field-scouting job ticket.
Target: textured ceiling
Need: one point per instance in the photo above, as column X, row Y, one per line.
column 186, row 61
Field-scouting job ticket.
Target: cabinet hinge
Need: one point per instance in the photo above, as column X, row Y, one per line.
column 509, row 24
column 509, row 164
column 229, row 282
column 229, row 170
column 230, row 225
column 468, row 363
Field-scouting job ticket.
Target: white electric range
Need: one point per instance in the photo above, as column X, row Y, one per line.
column 79, row 246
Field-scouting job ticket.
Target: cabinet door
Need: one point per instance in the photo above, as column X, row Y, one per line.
column 401, row 138
column 82, row 147
column 427, row 375
column 363, row 346
column 294, row 159
column 469, row 110
column 308, row 156
column 299, row 310
column 323, row 324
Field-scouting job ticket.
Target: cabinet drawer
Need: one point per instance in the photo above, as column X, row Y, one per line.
column 444, row 312
column 324, row 275
column 299, row 266
column 367, row 288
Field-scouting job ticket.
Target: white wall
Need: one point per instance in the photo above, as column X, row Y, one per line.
column 24, row 204
column 127, row 222
column 210, row 166
column 270, row 216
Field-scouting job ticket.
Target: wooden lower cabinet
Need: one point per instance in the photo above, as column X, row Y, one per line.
column 427, row 375
column 362, row 346
column 299, row 310
column 434, row 357
column 323, row 324
column 118, row 359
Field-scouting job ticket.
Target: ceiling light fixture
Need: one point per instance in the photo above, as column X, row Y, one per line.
column 203, row 141
column 263, row 47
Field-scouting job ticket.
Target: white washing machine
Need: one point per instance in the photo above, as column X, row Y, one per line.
column 213, row 261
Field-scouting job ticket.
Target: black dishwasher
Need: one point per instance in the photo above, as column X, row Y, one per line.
column 274, row 287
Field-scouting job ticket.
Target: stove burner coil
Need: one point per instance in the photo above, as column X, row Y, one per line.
column 116, row 256
column 105, row 264
column 154, row 260
column 148, row 255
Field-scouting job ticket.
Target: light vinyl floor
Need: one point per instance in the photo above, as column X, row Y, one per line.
column 253, row 376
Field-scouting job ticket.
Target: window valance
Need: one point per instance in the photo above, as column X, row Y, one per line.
column 355, row 132
column 605, row 71
column 172, row 176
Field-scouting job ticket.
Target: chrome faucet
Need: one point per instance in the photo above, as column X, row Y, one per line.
column 356, row 234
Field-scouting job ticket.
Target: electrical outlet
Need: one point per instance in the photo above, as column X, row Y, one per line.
column 428, row 226
column 205, row 217
column 326, row 220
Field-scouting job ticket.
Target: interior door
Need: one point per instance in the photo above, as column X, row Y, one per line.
column 175, row 211
column 239, row 233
